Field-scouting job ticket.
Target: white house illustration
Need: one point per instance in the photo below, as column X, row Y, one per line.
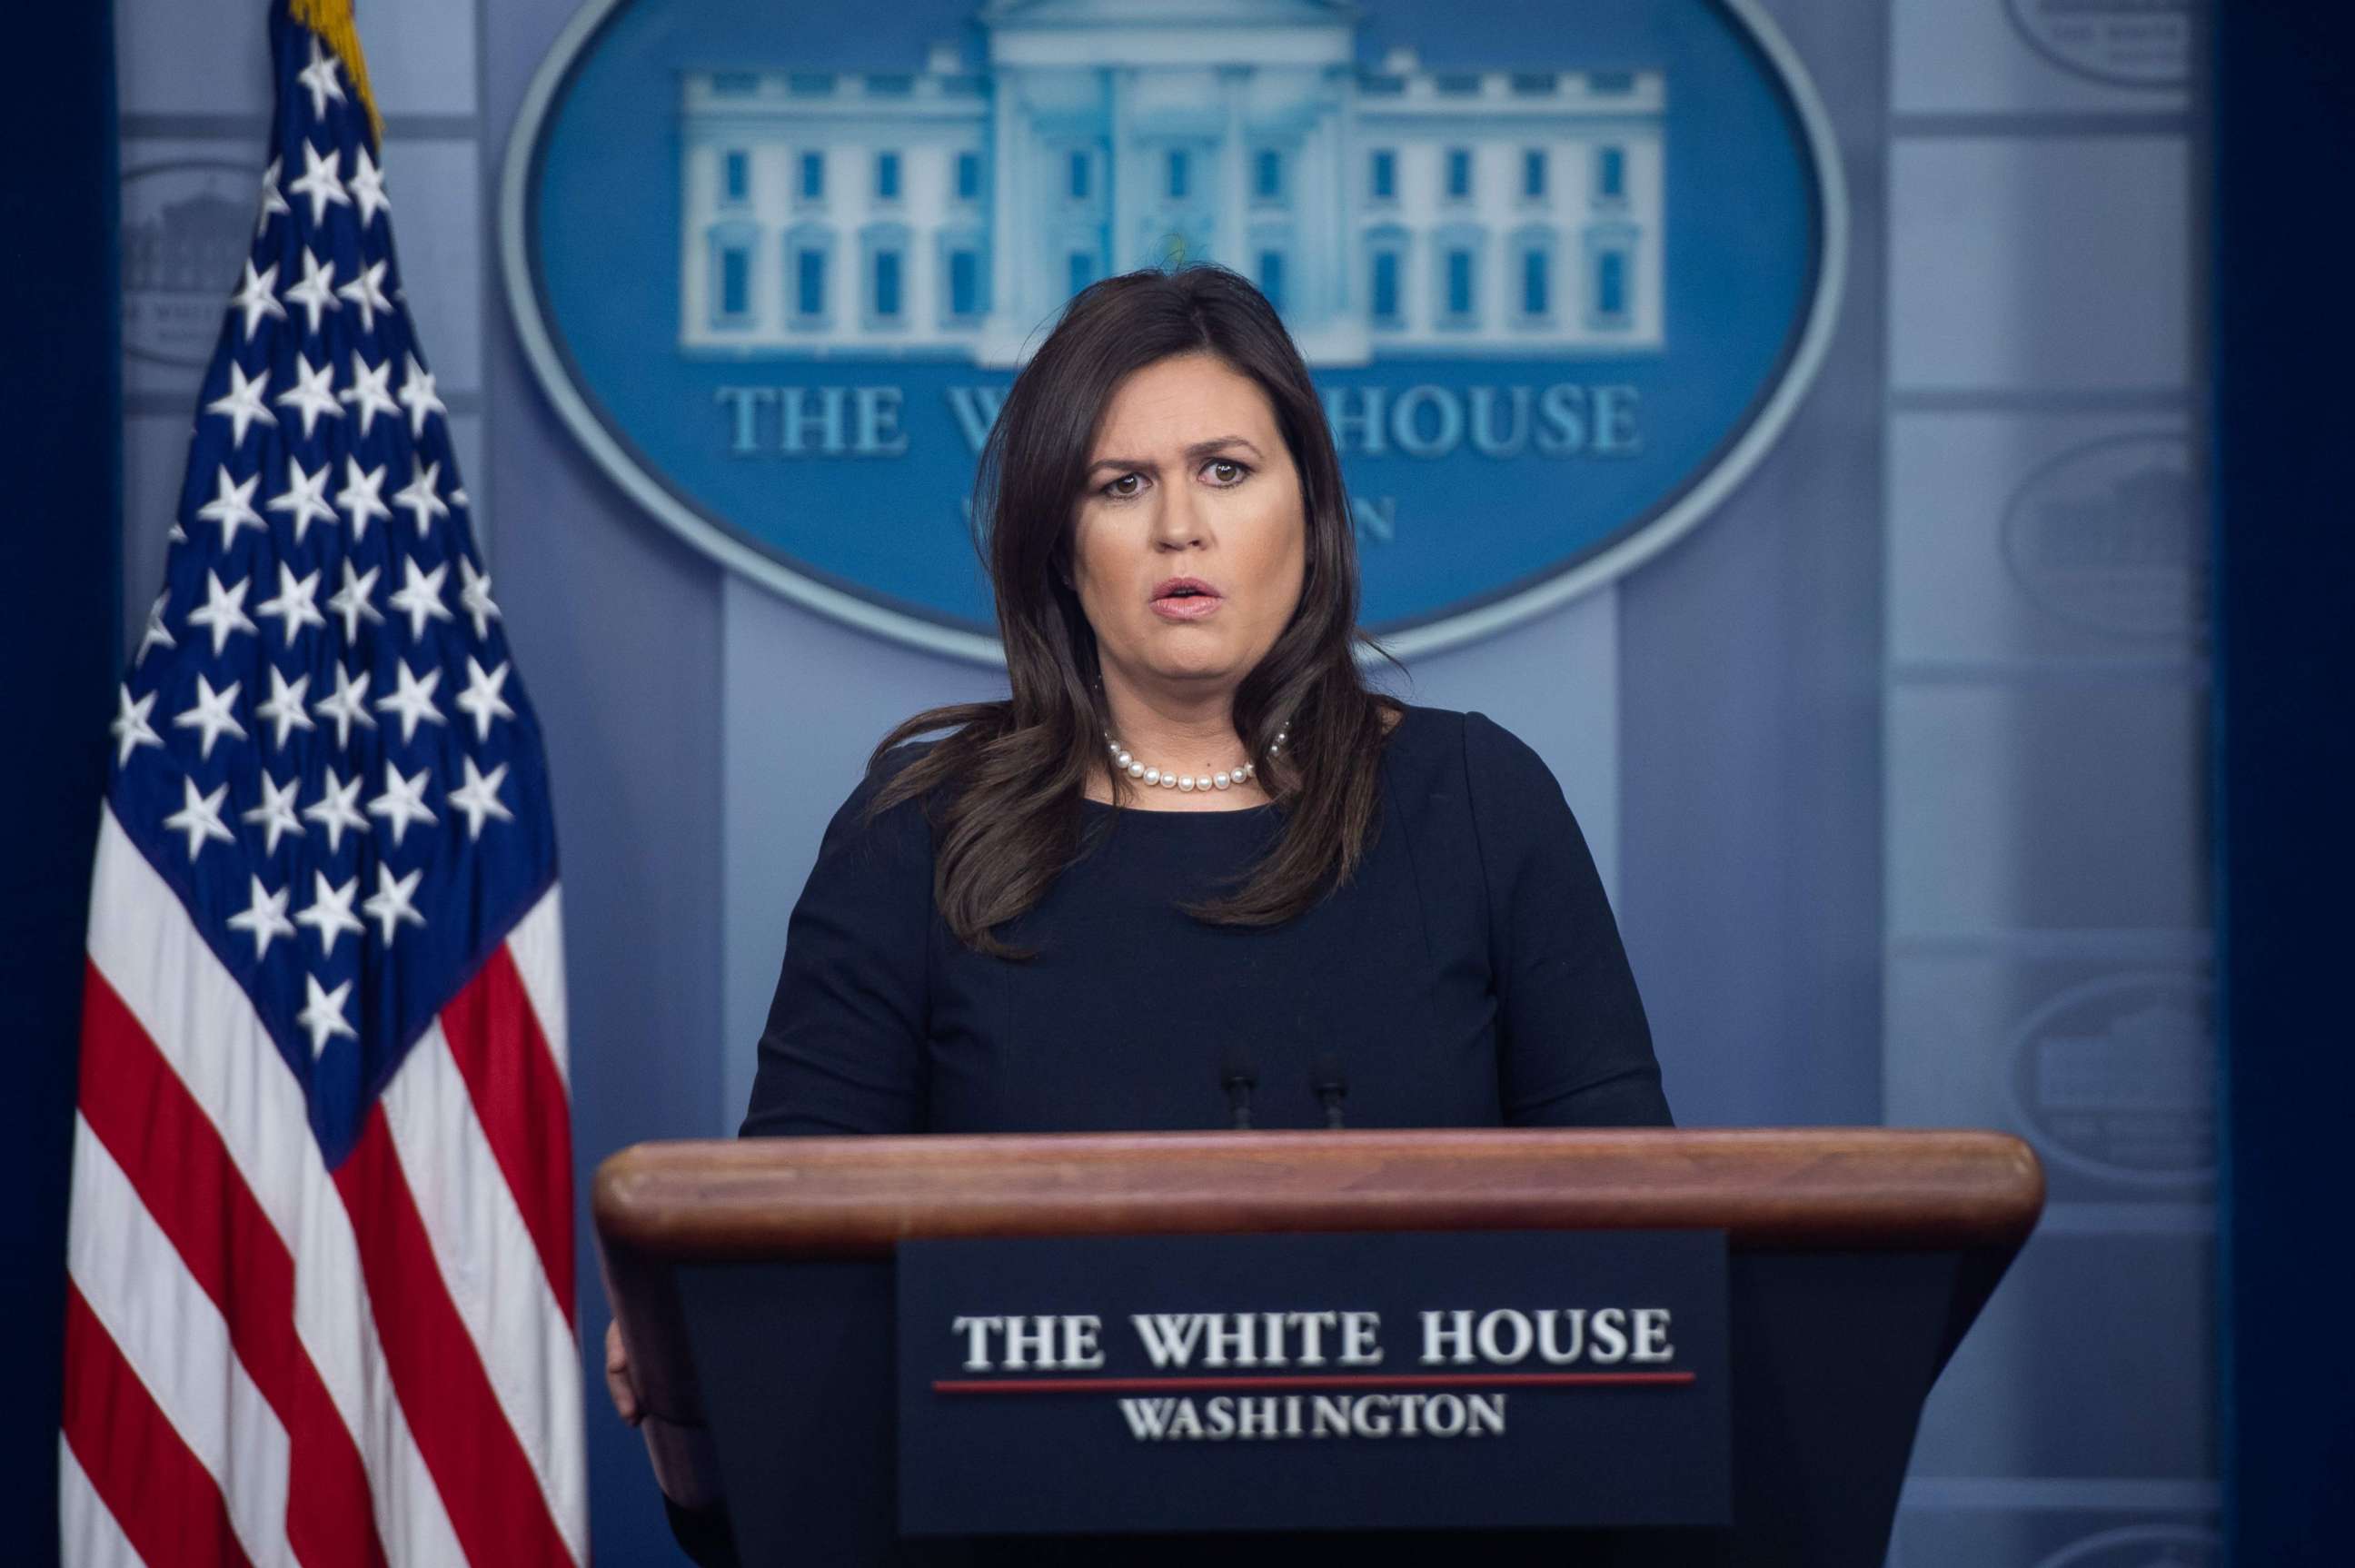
column 946, row 214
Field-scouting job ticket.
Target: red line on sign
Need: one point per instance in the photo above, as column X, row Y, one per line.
column 1307, row 1381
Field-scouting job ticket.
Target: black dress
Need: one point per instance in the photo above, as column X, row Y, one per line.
column 1470, row 974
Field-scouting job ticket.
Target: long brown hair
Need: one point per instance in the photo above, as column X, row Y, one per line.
column 1009, row 820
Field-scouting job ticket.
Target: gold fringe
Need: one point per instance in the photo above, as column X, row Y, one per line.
column 332, row 20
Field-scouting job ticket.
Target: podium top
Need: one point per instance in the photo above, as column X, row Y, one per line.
column 1769, row 1189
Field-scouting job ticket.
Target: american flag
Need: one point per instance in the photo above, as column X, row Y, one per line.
column 321, row 1260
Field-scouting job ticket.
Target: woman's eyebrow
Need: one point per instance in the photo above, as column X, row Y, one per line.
column 1195, row 453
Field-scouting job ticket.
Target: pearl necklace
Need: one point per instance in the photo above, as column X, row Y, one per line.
column 1226, row 779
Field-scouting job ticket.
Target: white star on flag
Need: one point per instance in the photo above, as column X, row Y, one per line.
column 319, row 183
column 360, row 500
column 367, row 186
column 419, row 496
column 264, row 917
column 403, row 801
column 479, row 797
column 211, row 715
column 293, row 606
column 285, row 708
column 305, row 497
column 351, row 601
column 257, row 296
column 337, row 808
column 474, row 597
column 481, row 700
column 417, row 396
column 322, row 1014
column 223, row 610
column 389, row 902
column 368, row 388
column 233, row 508
column 131, row 726
column 330, row 914
column 420, row 597
column 273, row 203
column 318, row 79
column 316, row 292
column 367, row 292
column 346, row 705
column 242, row 404
column 313, row 393
column 413, row 700
column 200, row 817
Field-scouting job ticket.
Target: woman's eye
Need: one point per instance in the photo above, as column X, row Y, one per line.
column 1241, row 472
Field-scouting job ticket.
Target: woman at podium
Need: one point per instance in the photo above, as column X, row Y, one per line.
column 1193, row 871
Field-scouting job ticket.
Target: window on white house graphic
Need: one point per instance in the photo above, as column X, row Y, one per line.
column 1459, row 173
column 1386, row 277
column 811, row 249
column 1082, row 269
column 1270, row 277
column 1533, row 274
column 1079, row 176
column 1610, row 175
column 733, row 247
column 736, row 177
column 1267, row 175
column 1610, row 277
column 887, row 284
column 968, row 177
column 962, row 276
column 1456, row 253
column 1533, row 173
column 1381, row 175
column 1181, row 169
column 887, row 176
column 813, row 176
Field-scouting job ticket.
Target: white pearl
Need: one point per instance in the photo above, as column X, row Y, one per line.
column 1168, row 781
column 1135, row 770
column 1222, row 780
column 1153, row 775
column 1125, row 758
column 1187, row 783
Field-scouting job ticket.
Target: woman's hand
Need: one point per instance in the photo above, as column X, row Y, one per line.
column 617, row 1377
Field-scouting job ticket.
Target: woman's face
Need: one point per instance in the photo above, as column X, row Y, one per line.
column 1189, row 478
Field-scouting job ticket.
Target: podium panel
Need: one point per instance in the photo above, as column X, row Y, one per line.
column 756, row 1283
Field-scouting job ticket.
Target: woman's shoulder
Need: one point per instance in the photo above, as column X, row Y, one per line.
column 1464, row 747
column 904, row 825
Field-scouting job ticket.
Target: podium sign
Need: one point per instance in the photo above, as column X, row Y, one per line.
column 1393, row 1380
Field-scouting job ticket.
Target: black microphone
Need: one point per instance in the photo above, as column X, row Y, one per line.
column 1331, row 1087
column 1236, row 1077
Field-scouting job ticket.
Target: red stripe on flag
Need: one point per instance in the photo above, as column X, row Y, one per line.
column 174, row 1155
column 486, row 1482
column 495, row 1040
column 151, row 1481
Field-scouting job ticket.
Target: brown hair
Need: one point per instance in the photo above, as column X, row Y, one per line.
column 1016, row 769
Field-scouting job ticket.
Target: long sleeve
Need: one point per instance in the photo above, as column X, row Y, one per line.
column 1575, row 1049
column 844, row 1051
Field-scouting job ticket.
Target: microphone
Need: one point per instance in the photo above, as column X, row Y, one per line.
column 1330, row 1086
column 1236, row 1077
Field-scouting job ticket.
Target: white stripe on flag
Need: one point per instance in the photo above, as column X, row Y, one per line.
column 172, row 1335
column 492, row 1270
column 88, row 1536
column 537, row 945
column 143, row 942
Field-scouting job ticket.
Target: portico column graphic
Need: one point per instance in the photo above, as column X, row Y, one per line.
column 1231, row 244
column 1119, row 160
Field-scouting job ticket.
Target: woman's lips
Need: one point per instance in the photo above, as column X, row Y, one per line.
column 1186, row 607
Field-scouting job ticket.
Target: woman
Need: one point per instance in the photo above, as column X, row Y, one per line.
column 1193, row 872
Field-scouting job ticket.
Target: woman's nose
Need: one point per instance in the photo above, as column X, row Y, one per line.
column 1178, row 521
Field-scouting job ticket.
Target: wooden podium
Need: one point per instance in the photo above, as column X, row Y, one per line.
column 753, row 1283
